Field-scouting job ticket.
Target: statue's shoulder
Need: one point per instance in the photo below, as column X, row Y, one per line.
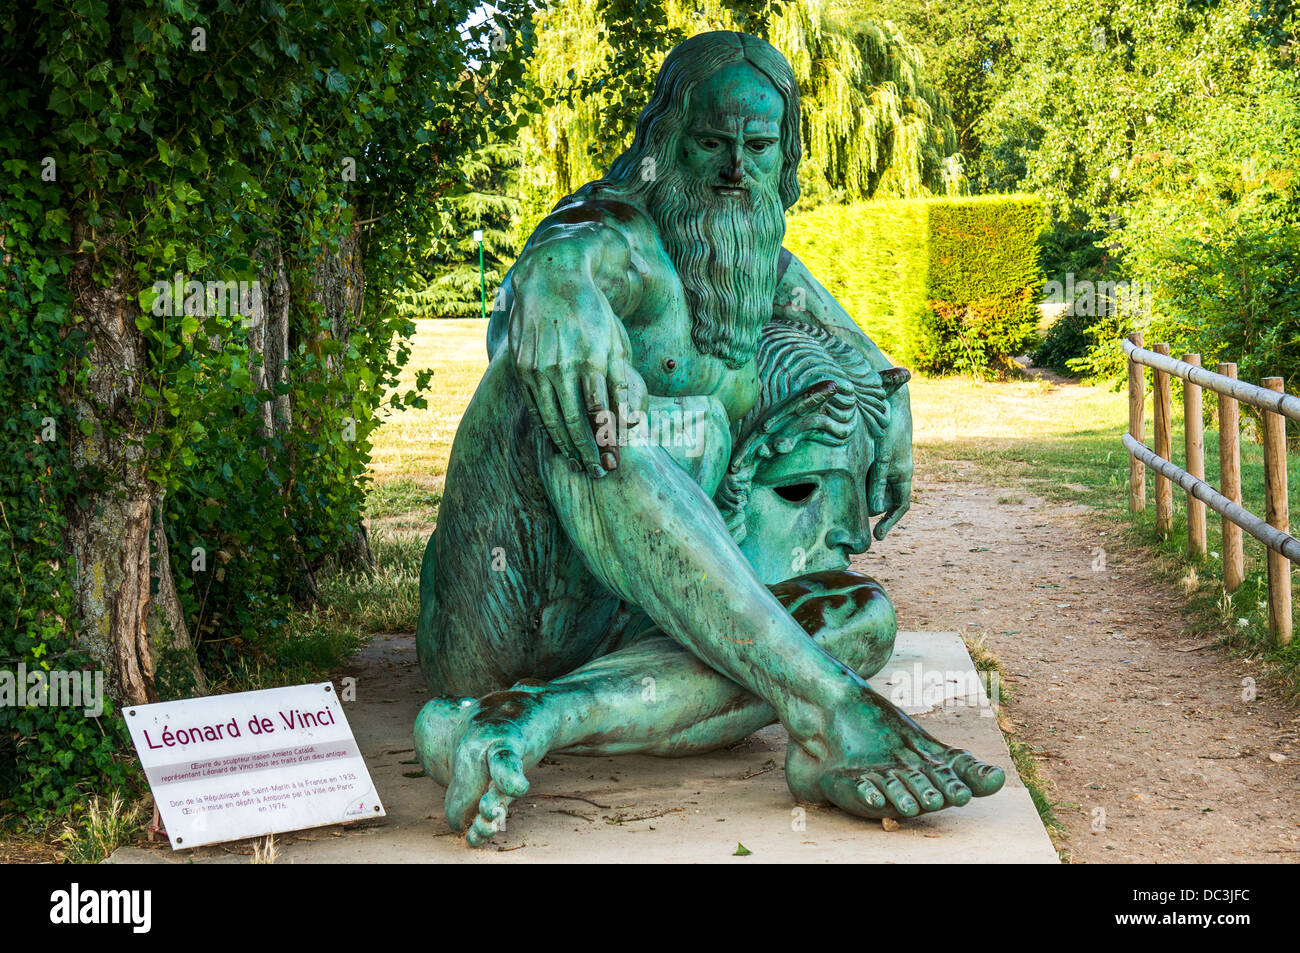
column 595, row 209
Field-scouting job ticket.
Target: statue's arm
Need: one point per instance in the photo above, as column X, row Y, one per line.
column 566, row 339
column 801, row 297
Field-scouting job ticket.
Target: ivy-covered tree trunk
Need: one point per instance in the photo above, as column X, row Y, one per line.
column 112, row 527
column 269, row 340
column 339, row 286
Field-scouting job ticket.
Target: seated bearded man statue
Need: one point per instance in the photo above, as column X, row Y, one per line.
column 573, row 559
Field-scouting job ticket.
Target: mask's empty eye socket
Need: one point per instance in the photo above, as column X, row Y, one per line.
column 796, row 492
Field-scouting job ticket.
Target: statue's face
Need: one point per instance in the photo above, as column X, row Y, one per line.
column 807, row 509
column 732, row 139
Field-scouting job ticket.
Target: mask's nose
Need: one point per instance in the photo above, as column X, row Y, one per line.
column 855, row 533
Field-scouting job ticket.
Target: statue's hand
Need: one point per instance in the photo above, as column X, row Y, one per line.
column 889, row 485
column 578, row 379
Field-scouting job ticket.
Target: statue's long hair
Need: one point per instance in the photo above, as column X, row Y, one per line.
column 661, row 122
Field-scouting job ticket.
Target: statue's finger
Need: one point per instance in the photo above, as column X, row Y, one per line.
column 602, row 416
column 625, row 384
column 523, row 346
column 900, row 503
column 877, row 485
column 549, row 410
column 577, row 424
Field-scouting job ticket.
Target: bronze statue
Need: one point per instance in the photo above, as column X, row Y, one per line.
column 654, row 494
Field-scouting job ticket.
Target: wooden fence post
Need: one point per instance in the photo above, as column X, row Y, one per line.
column 1278, row 516
column 1194, row 444
column 1137, row 472
column 1163, row 448
column 1234, row 561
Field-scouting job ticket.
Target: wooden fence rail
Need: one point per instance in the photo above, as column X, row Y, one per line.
column 1274, row 530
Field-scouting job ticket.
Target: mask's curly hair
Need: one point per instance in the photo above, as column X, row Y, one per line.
column 794, row 359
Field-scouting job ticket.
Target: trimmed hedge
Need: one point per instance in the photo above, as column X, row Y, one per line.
column 941, row 285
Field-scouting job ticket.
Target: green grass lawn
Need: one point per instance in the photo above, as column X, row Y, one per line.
column 411, row 447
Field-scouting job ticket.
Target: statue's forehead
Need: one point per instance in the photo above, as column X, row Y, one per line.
column 737, row 91
column 810, row 456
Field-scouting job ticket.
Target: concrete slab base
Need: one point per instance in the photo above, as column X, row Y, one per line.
column 640, row 809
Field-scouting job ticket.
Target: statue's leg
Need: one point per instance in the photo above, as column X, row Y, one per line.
column 649, row 532
column 651, row 697
column 504, row 595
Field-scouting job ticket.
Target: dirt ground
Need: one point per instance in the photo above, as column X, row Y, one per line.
column 1151, row 748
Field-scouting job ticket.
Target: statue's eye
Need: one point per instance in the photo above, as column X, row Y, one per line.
column 710, row 143
column 759, row 145
column 796, row 492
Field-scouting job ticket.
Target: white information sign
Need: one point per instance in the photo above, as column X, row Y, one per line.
column 252, row 763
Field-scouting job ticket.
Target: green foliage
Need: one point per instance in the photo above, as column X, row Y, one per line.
column 447, row 283
column 962, row 42
column 1066, row 340
column 1162, row 138
column 984, row 280
column 210, row 140
column 1077, row 105
column 1215, row 231
column 871, row 257
column 942, row 285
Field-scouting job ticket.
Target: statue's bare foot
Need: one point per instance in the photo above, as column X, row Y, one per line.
column 480, row 749
column 880, row 763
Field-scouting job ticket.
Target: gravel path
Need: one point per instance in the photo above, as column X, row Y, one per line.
column 1152, row 747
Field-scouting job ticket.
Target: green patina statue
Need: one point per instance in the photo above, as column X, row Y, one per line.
column 654, row 494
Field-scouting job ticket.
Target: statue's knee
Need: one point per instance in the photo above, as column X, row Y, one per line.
column 848, row 614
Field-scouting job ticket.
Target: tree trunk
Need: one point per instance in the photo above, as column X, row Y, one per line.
column 166, row 621
column 109, row 536
column 127, row 607
column 269, row 340
column 339, row 287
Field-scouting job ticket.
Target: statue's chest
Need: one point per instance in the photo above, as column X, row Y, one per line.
column 668, row 360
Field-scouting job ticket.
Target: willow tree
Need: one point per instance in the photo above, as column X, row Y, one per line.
column 872, row 123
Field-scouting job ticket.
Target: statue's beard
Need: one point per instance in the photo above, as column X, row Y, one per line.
column 725, row 249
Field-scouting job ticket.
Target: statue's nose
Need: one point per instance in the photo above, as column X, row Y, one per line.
column 857, row 540
column 854, row 532
column 735, row 172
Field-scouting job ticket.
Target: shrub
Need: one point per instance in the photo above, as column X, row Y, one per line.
column 871, row 257
column 1067, row 339
column 941, row 285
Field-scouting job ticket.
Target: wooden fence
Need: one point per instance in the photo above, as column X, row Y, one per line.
column 1274, row 530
